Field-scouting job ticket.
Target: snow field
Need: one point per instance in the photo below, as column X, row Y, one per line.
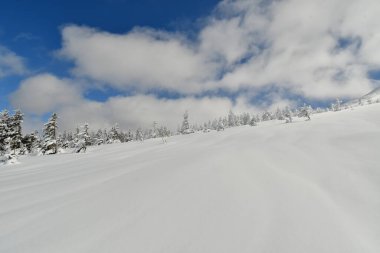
column 302, row 187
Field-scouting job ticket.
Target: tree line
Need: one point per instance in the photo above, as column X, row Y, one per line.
column 13, row 143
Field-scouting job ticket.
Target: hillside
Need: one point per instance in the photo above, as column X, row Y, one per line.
column 309, row 186
column 371, row 97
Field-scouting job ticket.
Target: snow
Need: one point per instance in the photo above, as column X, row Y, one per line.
column 308, row 186
column 373, row 96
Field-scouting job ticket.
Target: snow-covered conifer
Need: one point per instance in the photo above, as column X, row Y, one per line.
column 231, row 119
column 155, row 130
column 83, row 139
column 220, row 126
column 98, row 138
column 253, row 121
column 266, row 116
column 246, row 118
column 139, row 134
column 31, row 142
column 4, row 132
column 337, row 105
column 185, row 129
column 279, row 114
column 214, row 124
column 288, row 115
column 113, row 135
column 15, row 132
column 305, row 111
column 50, row 136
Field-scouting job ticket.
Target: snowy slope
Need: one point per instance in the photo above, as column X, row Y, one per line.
column 301, row 187
column 373, row 96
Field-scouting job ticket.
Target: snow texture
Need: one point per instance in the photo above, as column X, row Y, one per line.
column 308, row 186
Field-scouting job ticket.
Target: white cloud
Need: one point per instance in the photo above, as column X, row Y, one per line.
column 143, row 59
column 289, row 43
column 44, row 93
column 141, row 110
column 10, row 63
column 301, row 47
column 224, row 40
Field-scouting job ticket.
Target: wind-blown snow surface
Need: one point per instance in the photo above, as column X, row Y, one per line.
column 302, row 187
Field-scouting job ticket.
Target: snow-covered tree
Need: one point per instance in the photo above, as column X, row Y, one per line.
column 83, row 139
column 266, row 116
column 31, row 142
column 163, row 133
column 288, row 115
column 139, row 134
column 253, row 121
column 214, row 124
column 231, row 119
column 114, row 134
column 50, row 136
column 220, row 126
column 6, row 155
column 185, row 129
column 279, row 114
column 15, row 132
column 155, row 130
column 319, row 110
column 129, row 136
column 4, row 132
column 245, row 119
column 305, row 111
column 337, row 105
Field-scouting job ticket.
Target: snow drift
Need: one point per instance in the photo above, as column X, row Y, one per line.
column 303, row 187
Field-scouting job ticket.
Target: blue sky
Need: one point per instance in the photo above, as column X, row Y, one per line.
column 134, row 62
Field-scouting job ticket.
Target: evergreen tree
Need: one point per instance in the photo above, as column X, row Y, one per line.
column 231, row 119
column 83, row 139
column 15, row 132
column 266, row 116
column 31, row 142
column 129, row 136
column 246, row 118
column 114, row 134
column 50, row 136
column 98, row 139
column 139, row 134
column 220, row 125
column 337, row 106
column 279, row 114
column 185, row 129
column 155, row 130
column 5, row 140
column 305, row 111
column 85, row 135
column 214, row 124
column 288, row 115
column 253, row 122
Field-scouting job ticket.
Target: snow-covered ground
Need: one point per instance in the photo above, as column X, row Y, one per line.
column 302, row 187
